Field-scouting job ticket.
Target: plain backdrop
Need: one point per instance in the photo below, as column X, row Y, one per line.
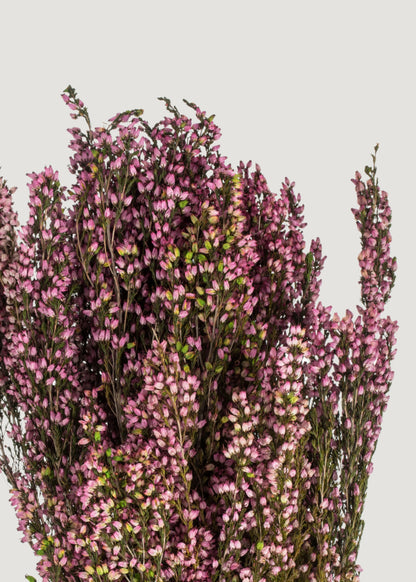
column 306, row 89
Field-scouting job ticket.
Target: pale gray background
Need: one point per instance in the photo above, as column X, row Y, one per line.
column 304, row 88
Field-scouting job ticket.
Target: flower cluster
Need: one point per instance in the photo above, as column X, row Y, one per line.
column 180, row 405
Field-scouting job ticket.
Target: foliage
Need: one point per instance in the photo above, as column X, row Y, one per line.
column 179, row 404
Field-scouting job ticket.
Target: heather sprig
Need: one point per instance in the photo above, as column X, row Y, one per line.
column 181, row 407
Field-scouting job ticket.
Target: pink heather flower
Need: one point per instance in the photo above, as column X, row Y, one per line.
column 167, row 358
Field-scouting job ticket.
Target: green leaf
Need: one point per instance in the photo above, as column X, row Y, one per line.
column 30, row 578
column 200, row 302
column 220, row 266
column 260, row 545
column 183, row 203
column 97, row 436
column 292, row 397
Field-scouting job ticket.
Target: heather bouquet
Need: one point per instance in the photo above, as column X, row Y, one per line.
column 176, row 403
